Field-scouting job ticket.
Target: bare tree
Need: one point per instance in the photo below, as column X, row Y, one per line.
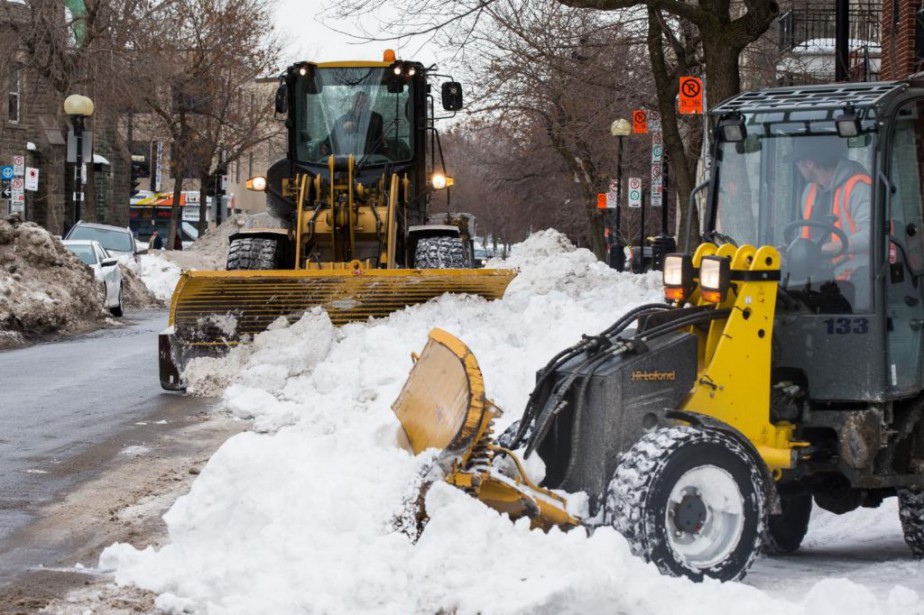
column 200, row 55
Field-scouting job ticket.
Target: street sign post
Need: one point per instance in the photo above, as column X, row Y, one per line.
column 635, row 192
column 640, row 122
column 691, row 95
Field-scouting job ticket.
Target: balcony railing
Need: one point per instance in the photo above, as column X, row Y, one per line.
column 800, row 25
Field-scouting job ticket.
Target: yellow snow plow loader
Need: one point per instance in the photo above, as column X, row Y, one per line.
column 355, row 227
column 773, row 379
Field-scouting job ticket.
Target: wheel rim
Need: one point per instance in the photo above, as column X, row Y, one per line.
column 705, row 516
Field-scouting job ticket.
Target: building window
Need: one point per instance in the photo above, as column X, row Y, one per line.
column 13, row 95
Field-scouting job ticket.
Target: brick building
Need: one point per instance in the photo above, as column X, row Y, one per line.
column 902, row 38
column 33, row 125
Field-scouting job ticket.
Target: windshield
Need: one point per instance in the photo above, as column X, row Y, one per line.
column 795, row 184
column 118, row 240
column 341, row 111
column 85, row 253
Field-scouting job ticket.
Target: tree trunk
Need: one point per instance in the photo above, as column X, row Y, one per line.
column 203, row 204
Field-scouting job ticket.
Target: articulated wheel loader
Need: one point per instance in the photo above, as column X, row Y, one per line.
column 784, row 371
column 355, row 228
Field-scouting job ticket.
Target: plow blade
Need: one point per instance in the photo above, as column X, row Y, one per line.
column 443, row 406
column 212, row 310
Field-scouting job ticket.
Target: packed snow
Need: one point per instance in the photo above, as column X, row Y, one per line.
column 304, row 514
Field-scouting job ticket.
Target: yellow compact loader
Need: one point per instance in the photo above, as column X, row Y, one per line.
column 355, row 229
column 774, row 378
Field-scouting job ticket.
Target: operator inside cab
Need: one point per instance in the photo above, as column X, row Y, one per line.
column 796, row 184
column 835, row 209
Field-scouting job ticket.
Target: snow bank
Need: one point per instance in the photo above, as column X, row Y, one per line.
column 44, row 288
column 307, row 516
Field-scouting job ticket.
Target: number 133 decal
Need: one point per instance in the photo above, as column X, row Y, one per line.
column 846, row 326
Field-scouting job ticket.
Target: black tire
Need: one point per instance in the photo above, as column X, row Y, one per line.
column 119, row 309
column 911, row 514
column 252, row 254
column 441, row 253
column 676, row 536
column 785, row 531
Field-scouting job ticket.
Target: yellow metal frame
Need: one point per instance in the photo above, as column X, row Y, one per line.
column 733, row 381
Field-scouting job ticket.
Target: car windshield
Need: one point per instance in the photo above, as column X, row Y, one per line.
column 795, row 184
column 84, row 252
column 111, row 239
column 351, row 110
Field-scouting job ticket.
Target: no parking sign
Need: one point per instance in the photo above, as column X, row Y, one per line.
column 635, row 192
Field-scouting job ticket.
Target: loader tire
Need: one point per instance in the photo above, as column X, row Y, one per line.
column 691, row 501
column 911, row 514
column 785, row 531
column 252, row 253
column 441, row 253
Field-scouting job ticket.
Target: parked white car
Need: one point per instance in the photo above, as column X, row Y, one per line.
column 105, row 267
column 118, row 241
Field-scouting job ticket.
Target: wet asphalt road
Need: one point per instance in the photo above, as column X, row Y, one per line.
column 61, row 399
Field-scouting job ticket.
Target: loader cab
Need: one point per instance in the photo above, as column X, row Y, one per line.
column 832, row 176
column 366, row 111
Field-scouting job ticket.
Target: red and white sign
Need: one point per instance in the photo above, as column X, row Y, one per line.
column 19, row 165
column 32, row 176
column 635, row 192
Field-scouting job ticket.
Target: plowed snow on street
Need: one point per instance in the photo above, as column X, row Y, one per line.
column 301, row 514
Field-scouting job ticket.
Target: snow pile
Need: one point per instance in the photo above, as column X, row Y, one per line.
column 307, row 515
column 44, row 288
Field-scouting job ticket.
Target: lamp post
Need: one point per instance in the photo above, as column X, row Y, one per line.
column 78, row 108
column 619, row 129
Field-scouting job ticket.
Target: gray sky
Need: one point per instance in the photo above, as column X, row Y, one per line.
column 306, row 27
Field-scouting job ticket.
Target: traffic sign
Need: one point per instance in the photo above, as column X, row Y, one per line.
column 601, row 200
column 635, row 192
column 640, row 122
column 32, row 177
column 19, row 165
column 17, row 184
column 691, row 95
column 6, row 192
column 6, row 171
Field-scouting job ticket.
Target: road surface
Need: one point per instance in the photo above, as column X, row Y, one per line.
column 92, row 451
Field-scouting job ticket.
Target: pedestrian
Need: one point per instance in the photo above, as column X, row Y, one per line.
column 155, row 242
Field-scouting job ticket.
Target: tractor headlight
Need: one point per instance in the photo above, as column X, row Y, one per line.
column 440, row 181
column 678, row 276
column 714, row 276
column 257, row 184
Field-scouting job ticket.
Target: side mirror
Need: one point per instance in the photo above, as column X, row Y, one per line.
column 109, row 262
column 452, row 95
column 282, row 98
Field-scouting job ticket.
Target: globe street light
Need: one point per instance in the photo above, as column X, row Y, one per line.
column 78, row 108
column 619, row 129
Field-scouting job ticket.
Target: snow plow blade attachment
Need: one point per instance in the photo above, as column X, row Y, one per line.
column 213, row 310
column 443, row 406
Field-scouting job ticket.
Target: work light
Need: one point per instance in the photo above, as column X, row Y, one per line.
column 440, row 181
column 257, row 184
column 732, row 129
column 848, row 123
column 678, row 276
column 714, row 275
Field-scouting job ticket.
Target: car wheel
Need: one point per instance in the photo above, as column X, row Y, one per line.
column 691, row 501
column 119, row 309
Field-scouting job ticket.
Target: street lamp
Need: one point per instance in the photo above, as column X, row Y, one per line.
column 78, row 108
column 619, row 129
